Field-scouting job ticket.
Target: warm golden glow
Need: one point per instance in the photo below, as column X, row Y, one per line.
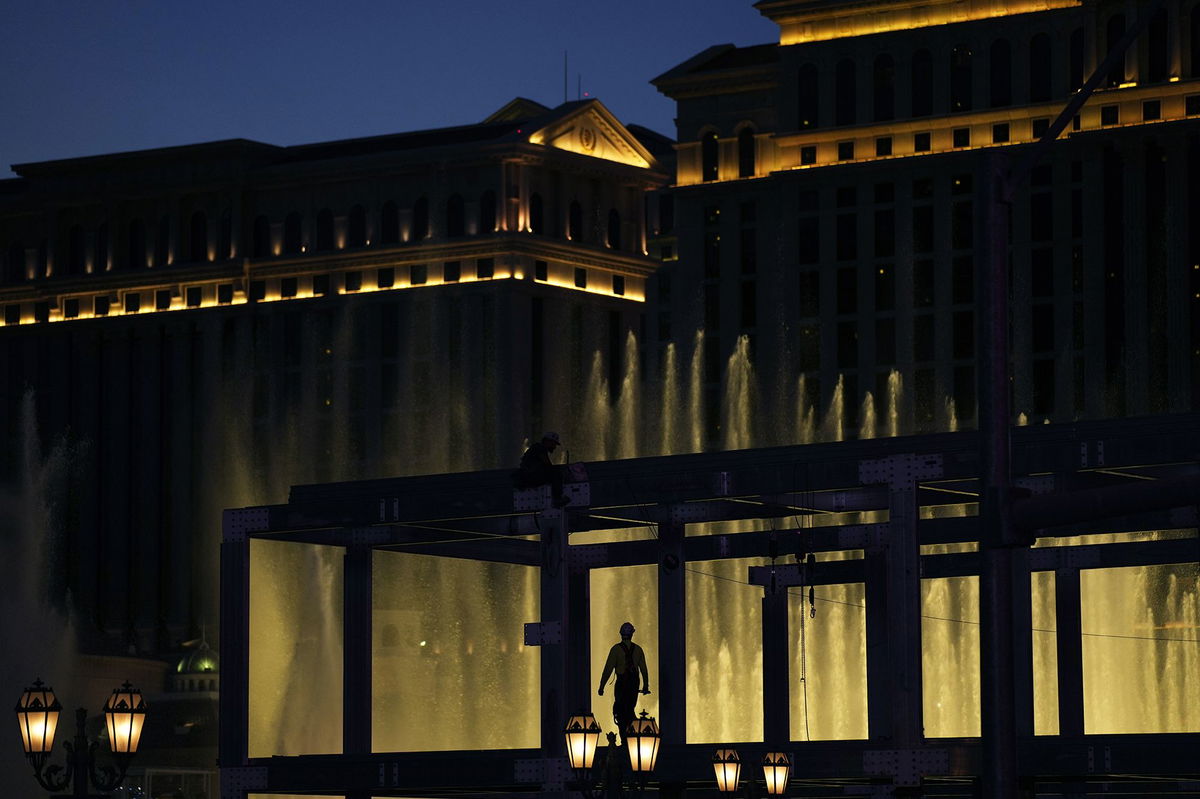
column 727, row 767
column 777, row 768
column 583, row 736
column 643, row 739
column 124, row 713
column 880, row 17
column 596, row 133
column 37, row 714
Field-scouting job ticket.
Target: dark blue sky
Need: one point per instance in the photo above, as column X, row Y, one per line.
column 83, row 78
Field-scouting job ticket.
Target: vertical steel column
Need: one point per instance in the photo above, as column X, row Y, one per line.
column 672, row 628
column 555, row 569
column 234, row 703
column 1070, row 652
column 579, row 638
column 776, row 688
column 356, row 648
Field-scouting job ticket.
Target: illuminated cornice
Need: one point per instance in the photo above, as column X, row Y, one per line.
column 593, row 131
column 802, row 21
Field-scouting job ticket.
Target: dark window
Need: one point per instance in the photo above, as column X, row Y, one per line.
column 847, row 237
column 12, row 313
column 962, row 280
column 320, row 285
column 922, row 84
column 921, row 142
column 962, row 137
column 709, row 154
column 712, row 310
column 418, row 274
column 385, row 277
column 1191, row 104
column 193, row 296
column 847, row 345
column 287, row 287
column 810, row 292
column 666, row 212
column 71, row 308
column 885, row 342
column 133, row 302
column 575, row 221
column 420, row 220
column 1039, row 127
column 224, row 293
column 162, row 299
column 1158, row 49
column 1043, row 387
column 1076, row 60
column 487, row 212
column 808, row 97
column 614, row 229
column 845, row 94
column 1043, row 328
column 198, row 237
column 749, row 251
column 810, row 201
column 1109, row 114
column 749, row 304
column 292, row 233
column 960, row 79
column 885, row 233
column 353, row 281
column 1000, row 74
column 485, row 268
column 885, row 192
column 809, row 350
column 389, row 224
column 324, row 230
column 922, row 187
column 808, row 155
column 923, row 338
column 923, row 289
column 1040, row 83
column 1115, row 30
column 451, row 271
column 1041, row 268
column 963, row 334
column 541, row 270
column 885, row 287
column 847, row 291
column 746, row 145
column 809, row 233
column 712, row 255
column 846, row 196
column 356, row 227
column 884, row 80
column 883, row 146
column 162, row 241
column 580, row 277
column 1041, row 217
column 1151, row 109
column 618, row 285
column 962, row 226
column 101, row 250
column 1000, row 133
column 845, row 151
column 258, row 290
column 922, row 228
column 537, row 215
column 76, row 251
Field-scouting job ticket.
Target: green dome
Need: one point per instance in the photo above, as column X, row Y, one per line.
column 202, row 661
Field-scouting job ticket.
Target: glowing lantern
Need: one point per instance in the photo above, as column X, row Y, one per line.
column 643, row 739
column 777, row 767
column 728, row 768
column 37, row 714
column 583, row 736
column 124, row 714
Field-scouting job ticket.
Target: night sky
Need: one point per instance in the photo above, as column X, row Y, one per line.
column 84, row 78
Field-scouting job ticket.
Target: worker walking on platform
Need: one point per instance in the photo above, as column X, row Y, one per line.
column 627, row 660
column 538, row 470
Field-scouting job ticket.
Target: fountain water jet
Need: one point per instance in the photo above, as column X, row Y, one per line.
column 895, row 385
column 866, row 425
column 738, row 410
column 834, row 427
column 805, row 414
column 696, row 394
column 670, row 400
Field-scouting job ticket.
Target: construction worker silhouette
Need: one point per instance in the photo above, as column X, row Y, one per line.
column 627, row 660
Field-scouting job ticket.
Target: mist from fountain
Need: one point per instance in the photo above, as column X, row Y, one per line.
column 628, row 407
column 866, row 416
column 805, row 414
column 951, row 415
column 895, row 385
column 738, row 408
column 696, row 395
column 668, row 422
column 834, row 427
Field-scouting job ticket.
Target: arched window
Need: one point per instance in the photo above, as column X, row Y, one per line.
column 1000, row 74
column 42, row 267
column 575, row 221
column 746, row 146
column 100, row 263
column 225, row 237
column 456, row 222
column 960, row 79
column 262, row 237
column 1115, row 30
column 356, row 233
column 137, row 244
column 614, row 229
column 1158, row 48
column 1039, row 68
column 709, row 154
column 537, row 217
column 420, row 220
column 389, row 224
column 162, row 241
column 808, row 95
column 76, row 256
column 487, row 212
column 293, row 233
column 324, row 230
column 1076, row 76
column 1195, row 65
column 845, row 93
column 922, row 83
column 198, row 239
column 883, row 82
column 14, row 264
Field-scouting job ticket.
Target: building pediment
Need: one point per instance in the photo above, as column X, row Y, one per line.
column 591, row 129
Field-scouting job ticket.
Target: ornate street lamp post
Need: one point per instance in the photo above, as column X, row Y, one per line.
column 777, row 769
column 643, row 739
column 38, row 711
column 727, row 767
